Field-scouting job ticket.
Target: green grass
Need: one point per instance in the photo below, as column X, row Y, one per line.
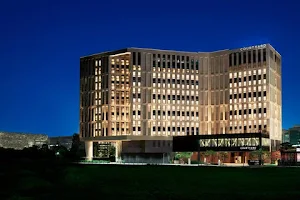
column 42, row 181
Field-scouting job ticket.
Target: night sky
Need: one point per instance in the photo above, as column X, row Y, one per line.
column 42, row 40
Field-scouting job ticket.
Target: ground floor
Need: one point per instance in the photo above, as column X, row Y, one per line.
column 225, row 157
column 225, row 148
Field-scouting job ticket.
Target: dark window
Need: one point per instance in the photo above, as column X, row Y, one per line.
column 249, row 57
column 234, row 59
column 245, row 78
column 240, row 112
column 139, row 58
column 134, row 58
column 265, row 93
column 230, row 112
column 254, row 56
column 265, row 76
column 153, row 130
column 259, row 56
column 249, row 94
column 249, row 112
column 244, row 57
column 230, row 60
column 245, row 95
column 240, row 58
column 249, row 78
column 259, row 76
column 245, row 112
column 264, row 55
column 265, row 110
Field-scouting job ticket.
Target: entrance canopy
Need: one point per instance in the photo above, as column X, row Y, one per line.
column 221, row 142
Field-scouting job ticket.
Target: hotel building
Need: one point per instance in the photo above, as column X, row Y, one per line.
column 140, row 99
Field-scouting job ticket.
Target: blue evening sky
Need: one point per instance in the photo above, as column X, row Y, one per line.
column 41, row 42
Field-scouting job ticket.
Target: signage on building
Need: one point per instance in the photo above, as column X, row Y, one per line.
column 247, row 148
column 253, row 47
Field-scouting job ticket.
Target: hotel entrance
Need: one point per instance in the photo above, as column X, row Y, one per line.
column 239, row 157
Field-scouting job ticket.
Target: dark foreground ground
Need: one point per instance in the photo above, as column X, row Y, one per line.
column 56, row 181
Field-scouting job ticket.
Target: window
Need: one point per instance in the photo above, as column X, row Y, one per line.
column 264, row 55
column 134, row 58
column 139, row 58
column 259, row 56
column 249, row 57
column 244, row 57
column 234, row 59
column 240, row 58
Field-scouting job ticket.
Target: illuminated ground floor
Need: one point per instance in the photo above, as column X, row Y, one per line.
column 161, row 149
column 134, row 149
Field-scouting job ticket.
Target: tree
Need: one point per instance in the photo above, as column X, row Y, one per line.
column 209, row 153
column 75, row 142
column 260, row 154
column 186, row 154
column 223, row 156
column 183, row 155
column 112, row 150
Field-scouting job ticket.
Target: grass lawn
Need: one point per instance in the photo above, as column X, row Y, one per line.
column 45, row 181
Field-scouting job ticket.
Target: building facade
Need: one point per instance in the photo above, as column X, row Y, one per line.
column 148, row 96
column 65, row 141
column 20, row 141
column 292, row 135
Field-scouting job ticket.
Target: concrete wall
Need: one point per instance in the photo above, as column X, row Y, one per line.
column 21, row 140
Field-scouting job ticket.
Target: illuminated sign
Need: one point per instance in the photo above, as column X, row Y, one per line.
column 247, row 148
column 254, row 47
